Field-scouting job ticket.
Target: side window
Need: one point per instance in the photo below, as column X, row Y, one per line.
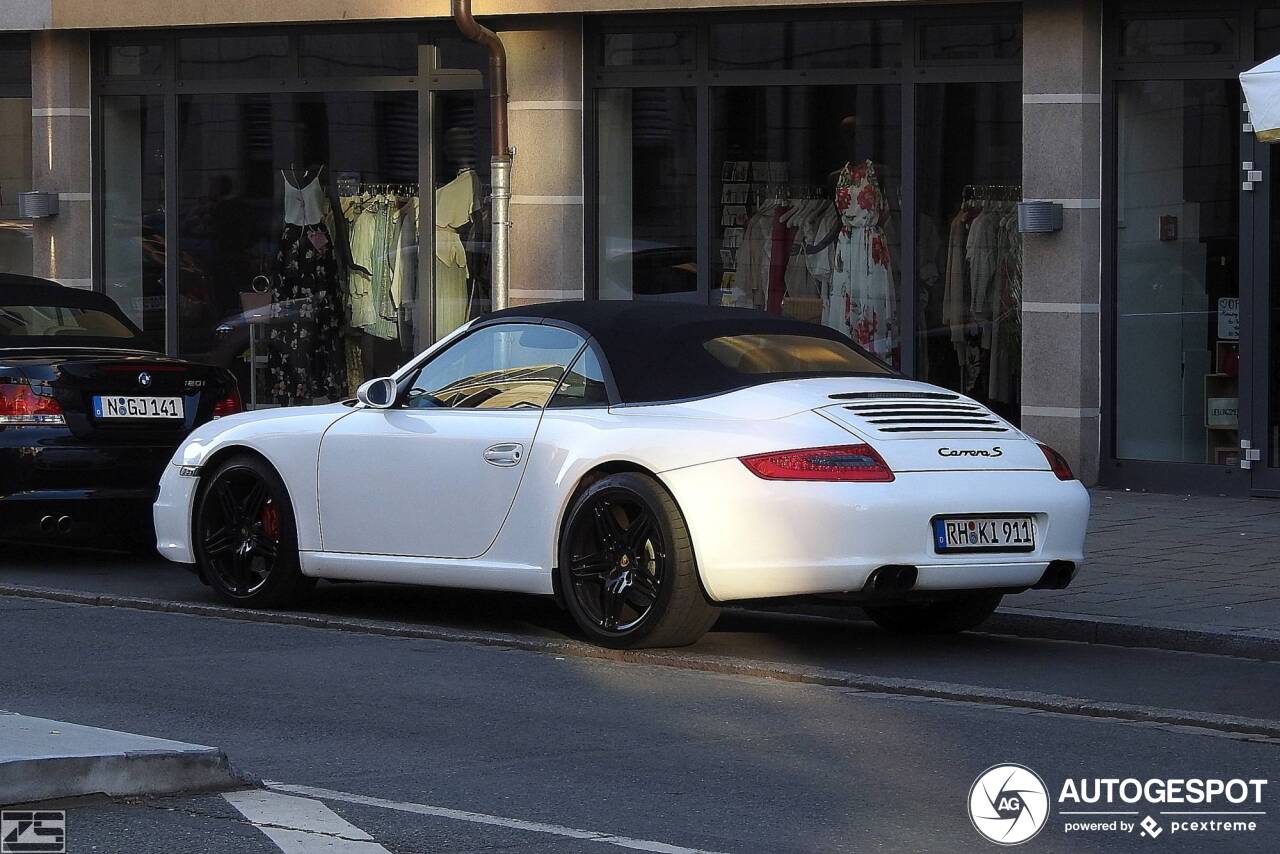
column 583, row 384
column 510, row 366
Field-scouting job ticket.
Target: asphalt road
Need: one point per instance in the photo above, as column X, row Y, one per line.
column 411, row 739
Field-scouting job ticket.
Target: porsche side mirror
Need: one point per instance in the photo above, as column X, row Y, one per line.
column 378, row 394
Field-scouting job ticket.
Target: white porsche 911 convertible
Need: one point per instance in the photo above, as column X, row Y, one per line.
column 643, row 463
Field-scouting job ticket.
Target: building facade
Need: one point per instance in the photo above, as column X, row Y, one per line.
column 252, row 182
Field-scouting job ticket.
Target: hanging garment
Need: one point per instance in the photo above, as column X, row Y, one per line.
column 863, row 301
column 782, row 238
column 456, row 202
column 305, row 357
column 375, row 236
column 1003, row 376
column 751, row 280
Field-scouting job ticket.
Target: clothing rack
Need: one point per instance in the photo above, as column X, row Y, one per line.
column 401, row 188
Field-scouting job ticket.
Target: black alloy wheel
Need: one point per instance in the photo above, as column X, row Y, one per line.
column 627, row 568
column 245, row 538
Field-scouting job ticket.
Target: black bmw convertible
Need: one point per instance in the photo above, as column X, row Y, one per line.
column 89, row 415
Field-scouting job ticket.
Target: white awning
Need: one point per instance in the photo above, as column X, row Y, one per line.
column 1262, row 92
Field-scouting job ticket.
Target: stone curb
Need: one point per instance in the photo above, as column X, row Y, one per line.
column 1223, row 724
column 1108, row 631
column 38, row 764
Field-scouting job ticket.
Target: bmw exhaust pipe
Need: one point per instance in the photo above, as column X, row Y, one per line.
column 47, row 525
column 64, row 525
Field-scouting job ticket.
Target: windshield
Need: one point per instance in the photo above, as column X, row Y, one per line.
column 771, row 353
column 60, row 321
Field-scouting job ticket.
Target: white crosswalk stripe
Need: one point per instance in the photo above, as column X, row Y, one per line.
column 494, row 820
column 302, row 825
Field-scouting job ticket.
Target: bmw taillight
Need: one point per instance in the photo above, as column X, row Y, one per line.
column 229, row 405
column 1057, row 463
column 859, row 463
column 23, row 404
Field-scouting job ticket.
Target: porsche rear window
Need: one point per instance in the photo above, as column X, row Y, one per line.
column 771, row 353
column 59, row 321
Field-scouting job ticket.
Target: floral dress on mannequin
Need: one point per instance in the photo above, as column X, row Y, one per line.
column 863, row 300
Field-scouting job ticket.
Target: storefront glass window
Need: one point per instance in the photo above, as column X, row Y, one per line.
column 133, row 205
column 649, row 49
column 226, row 57
column 15, row 154
column 125, row 59
column 647, row 164
column 969, row 252
column 848, row 43
column 299, row 238
column 15, row 177
column 806, row 195
column 358, row 54
column 463, row 222
column 1177, row 274
column 1183, row 38
column 970, row 41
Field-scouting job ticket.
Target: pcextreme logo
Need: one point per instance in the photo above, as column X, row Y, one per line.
column 970, row 452
column 1009, row 804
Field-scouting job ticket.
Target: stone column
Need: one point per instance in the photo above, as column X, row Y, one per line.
column 1061, row 161
column 545, row 82
column 60, row 153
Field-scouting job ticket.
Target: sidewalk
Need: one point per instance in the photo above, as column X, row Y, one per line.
column 1193, row 563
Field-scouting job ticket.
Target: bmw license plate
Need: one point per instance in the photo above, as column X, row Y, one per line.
column 984, row 534
column 106, row 407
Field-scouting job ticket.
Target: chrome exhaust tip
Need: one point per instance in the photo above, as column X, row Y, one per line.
column 64, row 525
column 47, row 525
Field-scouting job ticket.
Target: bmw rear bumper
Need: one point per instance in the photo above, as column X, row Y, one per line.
column 757, row 539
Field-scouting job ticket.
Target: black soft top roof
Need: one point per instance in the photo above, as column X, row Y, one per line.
column 26, row 290
column 655, row 349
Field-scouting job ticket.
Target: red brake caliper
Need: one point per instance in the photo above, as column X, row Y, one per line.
column 271, row 521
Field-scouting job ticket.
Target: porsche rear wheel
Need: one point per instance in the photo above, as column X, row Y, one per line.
column 627, row 569
column 244, row 536
column 965, row 611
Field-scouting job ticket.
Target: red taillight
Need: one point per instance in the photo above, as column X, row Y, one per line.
column 229, row 405
column 858, row 463
column 1058, row 463
column 24, row 404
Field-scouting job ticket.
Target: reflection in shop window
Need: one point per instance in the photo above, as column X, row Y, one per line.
column 133, row 207
column 969, row 252
column 15, row 177
column 806, row 199
column 298, row 227
column 1177, row 383
column 849, row 43
column 648, row 196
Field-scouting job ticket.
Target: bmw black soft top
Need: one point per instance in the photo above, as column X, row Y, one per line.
column 20, row 290
column 657, row 351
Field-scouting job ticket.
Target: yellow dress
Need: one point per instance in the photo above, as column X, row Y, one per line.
column 456, row 202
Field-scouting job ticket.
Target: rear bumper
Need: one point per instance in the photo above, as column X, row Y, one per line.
column 759, row 539
column 104, row 491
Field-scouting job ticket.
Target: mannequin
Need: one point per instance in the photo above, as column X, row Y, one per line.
column 863, row 299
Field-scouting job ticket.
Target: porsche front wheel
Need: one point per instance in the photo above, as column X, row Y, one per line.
column 244, row 536
column 627, row 569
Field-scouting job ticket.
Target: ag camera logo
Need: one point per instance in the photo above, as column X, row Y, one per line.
column 1008, row 804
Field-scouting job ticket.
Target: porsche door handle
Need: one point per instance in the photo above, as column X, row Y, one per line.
column 507, row 454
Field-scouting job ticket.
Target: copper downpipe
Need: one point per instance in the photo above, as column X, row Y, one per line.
column 500, row 174
column 482, row 35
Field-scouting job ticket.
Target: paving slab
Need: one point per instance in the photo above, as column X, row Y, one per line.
column 42, row 759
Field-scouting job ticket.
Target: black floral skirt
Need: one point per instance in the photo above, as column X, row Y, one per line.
column 305, row 354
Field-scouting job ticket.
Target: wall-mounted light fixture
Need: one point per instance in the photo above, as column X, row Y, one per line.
column 37, row 205
column 1039, row 217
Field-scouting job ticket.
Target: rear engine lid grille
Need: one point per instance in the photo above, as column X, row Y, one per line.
column 904, row 415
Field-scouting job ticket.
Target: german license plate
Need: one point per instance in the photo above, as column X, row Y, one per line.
column 107, row 407
column 984, row 533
